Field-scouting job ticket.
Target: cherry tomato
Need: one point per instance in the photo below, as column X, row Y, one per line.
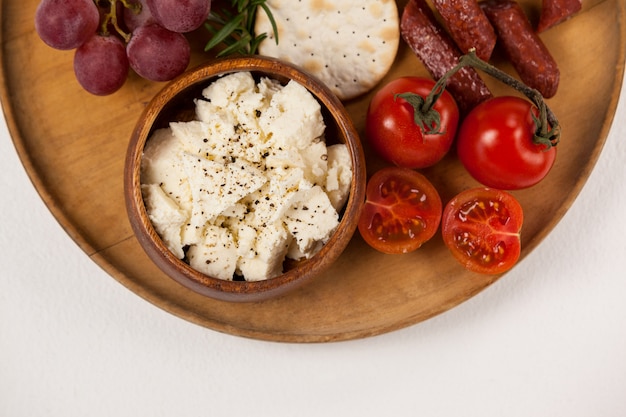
column 495, row 144
column 391, row 129
column 402, row 211
column 481, row 227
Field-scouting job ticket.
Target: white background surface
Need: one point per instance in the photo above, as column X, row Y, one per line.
column 549, row 339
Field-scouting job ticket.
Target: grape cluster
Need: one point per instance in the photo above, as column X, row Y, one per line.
column 110, row 37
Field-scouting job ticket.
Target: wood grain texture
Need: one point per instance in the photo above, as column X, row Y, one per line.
column 73, row 147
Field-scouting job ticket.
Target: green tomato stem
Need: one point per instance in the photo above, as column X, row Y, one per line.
column 424, row 115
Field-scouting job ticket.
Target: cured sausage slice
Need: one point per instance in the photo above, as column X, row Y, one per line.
column 554, row 12
column 526, row 51
column 468, row 26
column 438, row 52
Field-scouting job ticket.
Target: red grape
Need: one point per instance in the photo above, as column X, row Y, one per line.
column 111, row 36
column 101, row 65
column 180, row 15
column 134, row 20
column 158, row 54
column 66, row 24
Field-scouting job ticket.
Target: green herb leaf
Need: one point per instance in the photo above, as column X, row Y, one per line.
column 233, row 27
column 227, row 30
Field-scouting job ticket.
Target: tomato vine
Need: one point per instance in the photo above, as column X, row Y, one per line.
column 548, row 132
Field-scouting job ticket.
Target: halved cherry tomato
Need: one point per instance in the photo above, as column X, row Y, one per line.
column 481, row 227
column 391, row 129
column 402, row 211
column 496, row 144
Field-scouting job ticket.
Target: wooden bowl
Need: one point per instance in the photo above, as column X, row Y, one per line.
column 175, row 103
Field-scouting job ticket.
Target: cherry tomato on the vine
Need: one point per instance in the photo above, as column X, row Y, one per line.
column 481, row 227
column 393, row 133
column 402, row 211
column 496, row 144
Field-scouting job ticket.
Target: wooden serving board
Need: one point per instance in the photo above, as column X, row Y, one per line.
column 73, row 146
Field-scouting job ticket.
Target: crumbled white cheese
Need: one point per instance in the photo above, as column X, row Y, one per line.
column 216, row 255
column 339, row 175
column 248, row 183
column 310, row 219
column 162, row 164
column 263, row 250
column 166, row 216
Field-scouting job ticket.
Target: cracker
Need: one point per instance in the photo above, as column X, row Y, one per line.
column 349, row 45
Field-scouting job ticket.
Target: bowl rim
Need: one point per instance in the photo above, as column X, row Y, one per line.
column 183, row 273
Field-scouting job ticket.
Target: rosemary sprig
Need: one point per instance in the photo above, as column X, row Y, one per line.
column 234, row 27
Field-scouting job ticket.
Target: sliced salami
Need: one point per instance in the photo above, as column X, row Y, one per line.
column 554, row 12
column 528, row 54
column 438, row 52
column 468, row 26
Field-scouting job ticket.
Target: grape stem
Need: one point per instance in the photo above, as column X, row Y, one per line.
column 548, row 131
column 111, row 17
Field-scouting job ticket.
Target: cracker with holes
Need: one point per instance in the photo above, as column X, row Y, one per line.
column 350, row 44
